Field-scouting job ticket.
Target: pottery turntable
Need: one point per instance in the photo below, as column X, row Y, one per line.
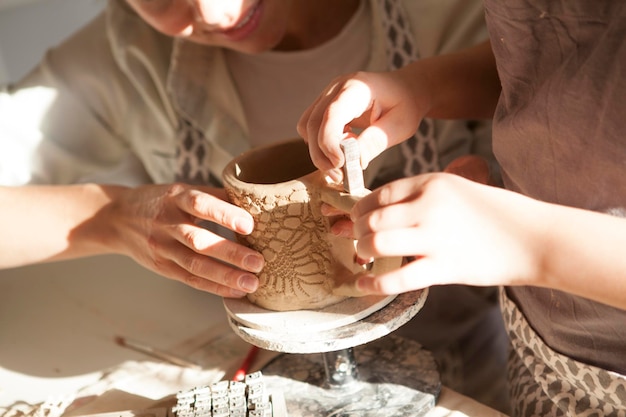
column 341, row 360
column 338, row 362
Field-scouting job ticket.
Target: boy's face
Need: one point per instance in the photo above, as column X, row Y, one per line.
column 249, row 26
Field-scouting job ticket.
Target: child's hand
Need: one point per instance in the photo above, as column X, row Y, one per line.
column 381, row 104
column 458, row 231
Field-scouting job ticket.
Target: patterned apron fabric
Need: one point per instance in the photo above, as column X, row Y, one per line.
column 192, row 156
column 546, row 383
column 419, row 152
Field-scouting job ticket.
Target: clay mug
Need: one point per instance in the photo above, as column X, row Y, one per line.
column 306, row 266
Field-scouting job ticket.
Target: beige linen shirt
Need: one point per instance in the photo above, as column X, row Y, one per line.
column 115, row 92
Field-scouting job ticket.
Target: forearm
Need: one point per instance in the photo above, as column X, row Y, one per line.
column 462, row 85
column 48, row 223
column 585, row 254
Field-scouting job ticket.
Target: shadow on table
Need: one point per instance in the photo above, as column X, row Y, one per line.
column 60, row 319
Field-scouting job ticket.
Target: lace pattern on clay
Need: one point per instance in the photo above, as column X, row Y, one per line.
column 291, row 235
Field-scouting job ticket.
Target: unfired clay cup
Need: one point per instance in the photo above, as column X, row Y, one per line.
column 306, row 266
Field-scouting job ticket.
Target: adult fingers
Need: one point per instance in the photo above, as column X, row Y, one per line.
column 205, row 206
column 207, row 243
column 208, row 207
column 207, row 274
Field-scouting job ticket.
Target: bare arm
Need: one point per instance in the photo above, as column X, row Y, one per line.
column 462, row 85
column 461, row 232
column 584, row 254
column 42, row 223
column 156, row 225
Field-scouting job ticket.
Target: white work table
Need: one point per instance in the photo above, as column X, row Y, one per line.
column 58, row 324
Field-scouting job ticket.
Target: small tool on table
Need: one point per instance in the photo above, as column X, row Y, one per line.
column 156, row 353
column 246, row 364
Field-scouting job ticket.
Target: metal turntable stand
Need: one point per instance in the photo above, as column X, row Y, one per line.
column 340, row 364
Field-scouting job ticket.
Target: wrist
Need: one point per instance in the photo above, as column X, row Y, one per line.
column 418, row 82
column 99, row 232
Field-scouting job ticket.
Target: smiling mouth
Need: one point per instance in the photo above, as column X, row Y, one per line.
column 247, row 24
column 246, row 18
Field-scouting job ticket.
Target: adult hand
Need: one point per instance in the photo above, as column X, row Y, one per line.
column 159, row 227
column 379, row 103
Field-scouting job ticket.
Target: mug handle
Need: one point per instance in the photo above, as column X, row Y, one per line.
column 346, row 285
